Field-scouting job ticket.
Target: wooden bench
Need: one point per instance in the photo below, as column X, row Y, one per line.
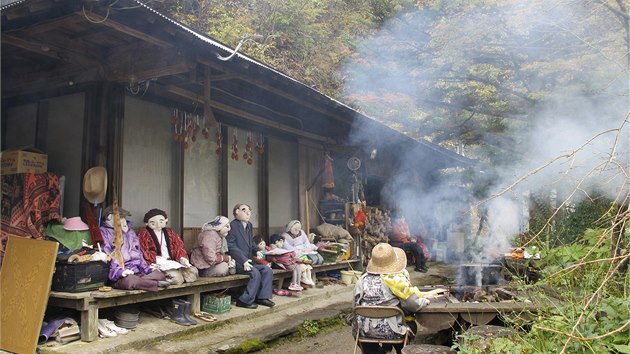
column 89, row 302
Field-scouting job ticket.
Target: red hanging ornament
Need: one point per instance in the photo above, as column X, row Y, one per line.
column 260, row 145
column 235, row 145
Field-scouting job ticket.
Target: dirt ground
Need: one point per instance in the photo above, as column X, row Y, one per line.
column 335, row 342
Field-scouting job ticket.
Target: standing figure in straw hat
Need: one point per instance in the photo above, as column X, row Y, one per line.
column 210, row 252
column 387, row 262
column 164, row 249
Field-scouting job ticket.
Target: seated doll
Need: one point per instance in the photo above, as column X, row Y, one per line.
column 135, row 273
column 210, row 252
column 295, row 239
column 241, row 247
column 285, row 259
column 163, row 249
column 263, row 249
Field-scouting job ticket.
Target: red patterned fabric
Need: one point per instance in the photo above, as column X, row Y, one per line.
column 149, row 249
column 29, row 201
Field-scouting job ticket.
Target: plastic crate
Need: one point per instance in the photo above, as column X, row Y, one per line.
column 216, row 303
column 77, row 277
column 330, row 257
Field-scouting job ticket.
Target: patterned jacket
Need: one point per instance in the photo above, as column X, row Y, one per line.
column 150, row 245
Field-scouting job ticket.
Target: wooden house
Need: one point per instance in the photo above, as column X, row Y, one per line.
column 117, row 84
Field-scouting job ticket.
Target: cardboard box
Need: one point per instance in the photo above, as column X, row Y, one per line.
column 23, row 161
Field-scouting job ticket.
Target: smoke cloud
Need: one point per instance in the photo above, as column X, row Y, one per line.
column 577, row 131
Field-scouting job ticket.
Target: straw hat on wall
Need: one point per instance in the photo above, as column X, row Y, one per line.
column 95, row 184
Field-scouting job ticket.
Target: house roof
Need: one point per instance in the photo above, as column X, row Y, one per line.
column 84, row 41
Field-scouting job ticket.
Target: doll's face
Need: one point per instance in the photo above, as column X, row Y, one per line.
column 243, row 213
column 295, row 229
column 123, row 223
column 261, row 245
column 157, row 223
column 225, row 230
column 279, row 243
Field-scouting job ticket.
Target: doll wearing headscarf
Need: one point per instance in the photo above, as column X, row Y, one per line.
column 210, row 252
column 295, row 239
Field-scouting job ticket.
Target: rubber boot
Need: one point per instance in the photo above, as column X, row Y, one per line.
column 178, row 313
column 187, row 306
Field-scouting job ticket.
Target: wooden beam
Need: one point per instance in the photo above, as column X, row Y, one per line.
column 276, row 91
column 131, row 31
column 248, row 116
column 142, row 62
column 64, row 76
column 49, row 50
column 47, row 26
column 225, row 77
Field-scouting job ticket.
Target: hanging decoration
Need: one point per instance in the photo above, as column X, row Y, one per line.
column 328, row 176
column 260, row 145
column 186, row 127
column 219, row 138
column 249, row 149
column 235, row 145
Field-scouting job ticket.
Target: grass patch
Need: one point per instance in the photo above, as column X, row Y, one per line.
column 310, row 328
column 248, row 346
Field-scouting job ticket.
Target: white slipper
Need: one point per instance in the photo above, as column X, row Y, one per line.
column 105, row 332
column 112, row 326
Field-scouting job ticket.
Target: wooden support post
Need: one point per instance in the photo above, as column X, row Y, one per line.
column 89, row 324
column 195, row 302
column 207, row 95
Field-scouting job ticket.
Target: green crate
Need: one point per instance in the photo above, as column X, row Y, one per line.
column 216, row 303
column 331, row 257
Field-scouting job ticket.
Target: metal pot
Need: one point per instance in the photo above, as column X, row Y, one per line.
column 480, row 274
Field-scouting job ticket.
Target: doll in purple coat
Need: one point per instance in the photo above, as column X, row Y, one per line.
column 137, row 274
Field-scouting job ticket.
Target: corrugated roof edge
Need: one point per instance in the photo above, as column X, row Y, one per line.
column 5, row 4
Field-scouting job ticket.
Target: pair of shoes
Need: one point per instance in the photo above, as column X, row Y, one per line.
column 266, row 302
column 181, row 310
column 105, row 332
column 240, row 303
column 422, row 270
column 305, row 285
column 281, row 292
column 295, row 287
column 112, row 326
column 205, row 316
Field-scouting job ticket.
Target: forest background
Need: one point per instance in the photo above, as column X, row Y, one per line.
column 536, row 91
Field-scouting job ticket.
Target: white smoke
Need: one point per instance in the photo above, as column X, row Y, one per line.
column 575, row 134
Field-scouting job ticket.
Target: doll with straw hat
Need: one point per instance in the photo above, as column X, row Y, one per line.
column 372, row 290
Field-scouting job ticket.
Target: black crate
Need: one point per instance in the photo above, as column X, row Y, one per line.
column 74, row 278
